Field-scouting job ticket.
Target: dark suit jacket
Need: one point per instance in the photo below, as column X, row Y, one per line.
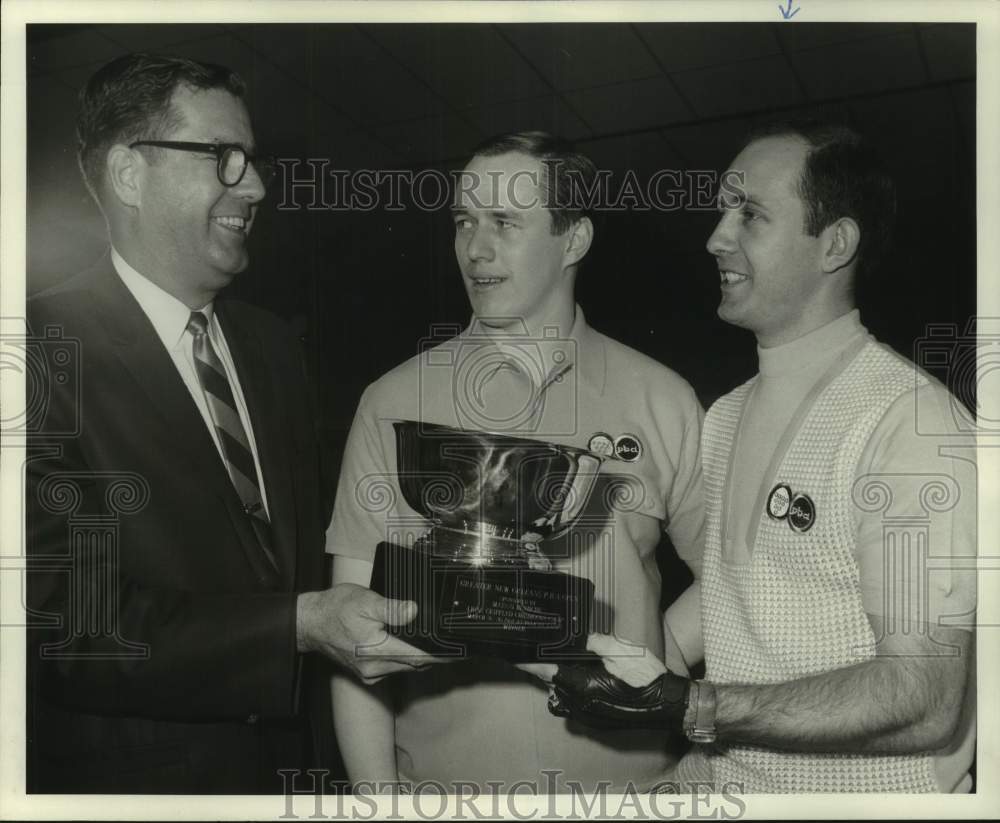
column 171, row 664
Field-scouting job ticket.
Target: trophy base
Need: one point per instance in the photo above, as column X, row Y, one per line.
column 515, row 613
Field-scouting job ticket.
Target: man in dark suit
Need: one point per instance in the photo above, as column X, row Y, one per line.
column 175, row 500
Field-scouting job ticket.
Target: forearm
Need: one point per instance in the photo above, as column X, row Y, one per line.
column 682, row 630
column 364, row 722
column 890, row 705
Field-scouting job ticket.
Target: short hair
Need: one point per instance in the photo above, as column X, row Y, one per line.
column 129, row 99
column 570, row 178
column 842, row 176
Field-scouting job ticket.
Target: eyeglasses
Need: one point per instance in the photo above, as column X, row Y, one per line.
column 232, row 159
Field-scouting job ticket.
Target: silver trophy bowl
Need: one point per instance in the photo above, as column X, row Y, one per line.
column 491, row 497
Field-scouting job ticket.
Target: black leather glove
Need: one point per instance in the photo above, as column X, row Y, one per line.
column 588, row 692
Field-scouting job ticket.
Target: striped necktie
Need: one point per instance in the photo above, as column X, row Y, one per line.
column 238, row 457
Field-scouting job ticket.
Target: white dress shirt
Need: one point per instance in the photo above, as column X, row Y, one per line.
column 169, row 317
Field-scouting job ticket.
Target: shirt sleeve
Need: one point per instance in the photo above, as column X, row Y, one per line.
column 915, row 515
column 366, row 490
column 686, row 499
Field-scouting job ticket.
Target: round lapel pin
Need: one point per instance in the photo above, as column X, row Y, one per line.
column 601, row 444
column 778, row 501
column 801, row 513
column 628, row 448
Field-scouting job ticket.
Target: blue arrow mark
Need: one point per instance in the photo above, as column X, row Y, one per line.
column 788, row 13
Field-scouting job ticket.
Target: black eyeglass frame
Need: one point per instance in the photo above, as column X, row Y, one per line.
column 265, row 164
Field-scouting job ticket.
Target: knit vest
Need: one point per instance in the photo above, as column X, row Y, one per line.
column 795, row 609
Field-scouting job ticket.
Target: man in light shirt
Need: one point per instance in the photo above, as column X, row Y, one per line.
column 171, row 654
column 528, row 365
column 837, row 590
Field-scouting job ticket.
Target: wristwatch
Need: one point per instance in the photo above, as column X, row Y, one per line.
column 699, row 716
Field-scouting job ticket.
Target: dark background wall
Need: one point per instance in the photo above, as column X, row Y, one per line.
column 365, row 287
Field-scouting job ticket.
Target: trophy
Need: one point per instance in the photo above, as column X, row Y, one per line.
column 480, row 580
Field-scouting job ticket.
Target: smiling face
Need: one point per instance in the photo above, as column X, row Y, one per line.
column 771, row 271
column 191, row 230
column 513, row 267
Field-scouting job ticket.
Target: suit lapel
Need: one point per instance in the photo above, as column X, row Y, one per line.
column 265, row 404
column 135, row 342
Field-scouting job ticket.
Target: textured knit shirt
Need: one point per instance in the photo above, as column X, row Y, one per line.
column 913, row 479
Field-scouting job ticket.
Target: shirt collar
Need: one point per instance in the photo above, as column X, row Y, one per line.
column 542, row 358
column 813, row 350
column 168, row 315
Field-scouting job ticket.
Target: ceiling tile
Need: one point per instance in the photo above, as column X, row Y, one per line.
column 430, row 140
column 888, row 122
column 763, row 83
column 811, row 35
column 289, row 46
column 469, row 65
column 709, row 146
column 861, row 66
column 950, row 49
column 226, row 50
column 645, row 154
column 681, row 46
column 624, row 106
column 156, row 37
column 71, row 48
column 549, row 114
column 366, row 82
column 353, row 150
column 582, row 55
column 964, row 96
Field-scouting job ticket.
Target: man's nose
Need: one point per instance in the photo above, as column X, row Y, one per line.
column 251, row 187
column 721, row 240
column 480, row 245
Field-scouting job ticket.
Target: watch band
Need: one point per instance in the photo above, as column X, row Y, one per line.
column 699, row 718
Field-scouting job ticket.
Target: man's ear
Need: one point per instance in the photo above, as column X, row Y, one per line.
column 581, row 235
column 840, row 244
column 126, row 171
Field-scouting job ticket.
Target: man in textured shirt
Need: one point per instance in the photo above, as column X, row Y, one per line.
column 837, row 596
column 527, row 365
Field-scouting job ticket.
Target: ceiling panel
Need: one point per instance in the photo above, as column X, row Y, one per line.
column 583, row 55
column 290, row 48
column 72, row 49
column 709, row 146
column 860, row 66
column 624, row 106
column 889, row 123
column 432, row 139
column 354, row 150
column 691, row 46
column 645, row 153
column 469, row 65
column 227, row 50
column 965, row 108
column 549, row 114
column 156, row 36
column 950, row 49
column 366, row 82
column 803, row 35
column 737, row 87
